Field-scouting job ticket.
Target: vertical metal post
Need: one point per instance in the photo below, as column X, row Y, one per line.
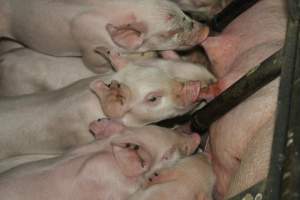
column 283, row 177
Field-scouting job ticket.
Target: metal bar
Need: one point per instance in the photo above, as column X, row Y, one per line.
column 228, row 14
column 279, row 183
column 255, row 192
column 291, row 170
column 238, row 92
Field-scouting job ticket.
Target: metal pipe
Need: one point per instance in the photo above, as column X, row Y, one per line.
column 228, row 14
column 255, row 79
column 283, row 177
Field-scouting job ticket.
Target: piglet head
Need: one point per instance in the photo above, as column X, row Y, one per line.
column 143, row 150
column 165, row 145
column 150, row 90
column 162, row 89
column 180, row 32
column 154, row 25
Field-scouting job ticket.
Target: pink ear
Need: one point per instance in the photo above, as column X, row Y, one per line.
column 114, row 99
column 132, row 158
column 104, row 128
column 115, row 59
column 128, row 36
column 99, row 87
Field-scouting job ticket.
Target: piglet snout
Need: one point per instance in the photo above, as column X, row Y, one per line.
column 210, row 92
column 195, row 137
column 198, row 33
column 203, row 34
column 193, row 141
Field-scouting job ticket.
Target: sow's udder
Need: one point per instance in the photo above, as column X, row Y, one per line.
column 251, row 38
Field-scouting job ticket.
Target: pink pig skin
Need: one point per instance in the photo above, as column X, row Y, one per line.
column 190, row 178
column 76, row 28
column 111, row 168
column 246, row 42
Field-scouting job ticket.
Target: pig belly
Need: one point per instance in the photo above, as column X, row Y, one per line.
column 230, row 136
column 262, row 25
column 255, row 161
column 245, row 43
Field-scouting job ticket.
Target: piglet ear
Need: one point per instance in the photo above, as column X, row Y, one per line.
column 129, row 36
column 132, row 158
column 114, row 98
column 103, row 128
column 117, row 61
column 99, row 87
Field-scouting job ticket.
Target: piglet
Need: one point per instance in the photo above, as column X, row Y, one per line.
column 109, row 169
column 190, row 178
column 137, row 94
column 78, row 28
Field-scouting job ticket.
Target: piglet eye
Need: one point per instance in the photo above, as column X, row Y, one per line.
column 152, row 99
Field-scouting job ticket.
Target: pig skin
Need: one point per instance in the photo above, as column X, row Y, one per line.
column 190, row 178
column 76, row 28
column 23, row 71
column 246, row 42
column 254, row 161
column 93, row 171
column 32, row 72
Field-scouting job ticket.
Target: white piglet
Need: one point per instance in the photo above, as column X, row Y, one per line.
column 112, row 168
column 77, row 28
column 137, row 94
